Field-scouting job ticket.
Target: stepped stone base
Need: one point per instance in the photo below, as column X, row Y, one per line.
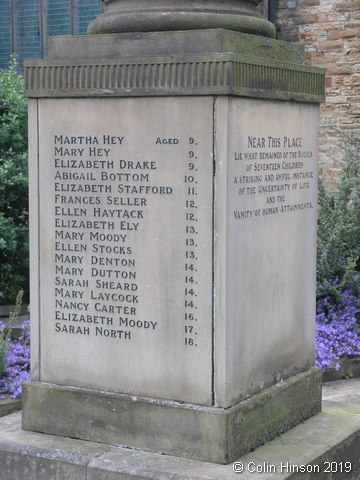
column 331, row 436
column 209, row 434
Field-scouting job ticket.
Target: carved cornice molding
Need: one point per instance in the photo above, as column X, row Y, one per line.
column 217, row 74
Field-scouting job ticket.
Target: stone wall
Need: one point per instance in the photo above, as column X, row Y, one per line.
column 330, row 32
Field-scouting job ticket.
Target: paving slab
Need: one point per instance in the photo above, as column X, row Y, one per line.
column 347, row 391
column 31, row 456
column 327, row 441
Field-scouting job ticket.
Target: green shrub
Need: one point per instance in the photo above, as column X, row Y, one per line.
column 14, row 257
column 13, row 112
column 339, row 226
column 14, row 260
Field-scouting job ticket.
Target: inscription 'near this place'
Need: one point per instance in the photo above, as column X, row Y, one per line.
column 273, row 176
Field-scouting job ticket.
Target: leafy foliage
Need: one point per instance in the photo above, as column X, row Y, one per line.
column 13, row 187
column 13, row 112
column 339, row 227
column 338, row 263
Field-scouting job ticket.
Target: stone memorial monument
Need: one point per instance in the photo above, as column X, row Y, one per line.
column 173, row 228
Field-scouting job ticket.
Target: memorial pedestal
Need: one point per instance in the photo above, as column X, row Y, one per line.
column 173, row 201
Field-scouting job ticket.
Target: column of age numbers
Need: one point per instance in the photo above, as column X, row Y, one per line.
column 191, row 245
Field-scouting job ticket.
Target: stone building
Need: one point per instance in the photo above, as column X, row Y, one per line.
column 330, row 32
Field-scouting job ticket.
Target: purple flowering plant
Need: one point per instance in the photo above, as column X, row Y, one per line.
column 14, row 355
column 337, row 328
column 17, row 365
column 338, row 261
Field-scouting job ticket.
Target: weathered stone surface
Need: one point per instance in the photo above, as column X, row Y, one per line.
column 344, row 391
column 30, row 456
column 114, row 266
column 173, row 43
column 271, row 191
column 218, row 435
column 208, row 62
column 113, row 240
column 157, row 15
column 229, row 74
column 331, row 436
column 9, row 405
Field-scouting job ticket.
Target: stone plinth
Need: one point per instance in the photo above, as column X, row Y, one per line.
column 173, row 202
column 206, row 433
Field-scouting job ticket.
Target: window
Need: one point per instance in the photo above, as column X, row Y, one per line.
column 87, row 10
column 25, row 25
column 58, row 18
column 5, row 40
column 27, row 30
